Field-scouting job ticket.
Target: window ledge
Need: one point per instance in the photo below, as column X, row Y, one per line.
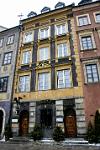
column 84, row 25
column 93, row 49
column 92, row 83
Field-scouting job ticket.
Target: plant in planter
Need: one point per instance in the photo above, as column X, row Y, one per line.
column 8, row 132
column 58, row 134
column 97, row 126
column 91, row 133
column 37, row 133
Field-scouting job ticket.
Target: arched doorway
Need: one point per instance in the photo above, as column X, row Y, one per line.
column 70, row 123
column 1, row 121
column 23, row 123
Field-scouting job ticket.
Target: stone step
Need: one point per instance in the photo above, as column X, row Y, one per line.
column 19, row 140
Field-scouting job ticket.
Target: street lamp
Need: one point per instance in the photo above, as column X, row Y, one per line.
column 17, row 100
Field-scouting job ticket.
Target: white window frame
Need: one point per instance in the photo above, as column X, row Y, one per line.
column 95, row 13
column 63, row 79
column 7, row 58
column 44, row 33
column 77, row 19
column 63, row 50
column 43, row 55
column 85, row 35
column 1, row 42
column 90, row 62
column 25, row 85
column 61, row 32
column 26, row 56
column 43, row 80
column 26, row 38
column 10, row 39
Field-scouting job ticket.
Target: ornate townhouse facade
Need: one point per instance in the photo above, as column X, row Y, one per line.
column 8, row 49
column 48, row 88
column 87, row 21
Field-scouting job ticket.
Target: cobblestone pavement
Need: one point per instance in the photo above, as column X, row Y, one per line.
column 44, row 146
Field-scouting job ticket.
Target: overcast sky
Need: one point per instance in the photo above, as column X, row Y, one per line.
column 10, row 9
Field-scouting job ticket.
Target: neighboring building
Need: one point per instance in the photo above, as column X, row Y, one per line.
column 87, row 21
column 2, row 28
column 8, row 50
column 48, row 79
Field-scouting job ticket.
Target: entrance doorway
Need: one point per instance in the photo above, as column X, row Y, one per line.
column 1, row 121
column 70, row 123
column 45, row 117
column 23, row 123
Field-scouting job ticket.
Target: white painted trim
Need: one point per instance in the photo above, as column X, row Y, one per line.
column 84, row 34
column 95, row 13
column 3, row 124
column 84, row 15
column 91, row 62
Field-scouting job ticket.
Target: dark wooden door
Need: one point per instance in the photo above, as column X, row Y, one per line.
column 24, row 123
column 24, row 126
column 70, row 123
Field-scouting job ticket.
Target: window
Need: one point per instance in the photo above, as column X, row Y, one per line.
column 44, row 33
column 86, row 42
column 28, row 37
column 63, row 78
column 92, row 73
column 1, row 43
column 43, row 53
column 10, row 39
column 7, row 58
column 97, row 15
column 61, row 29
column 63, row 50
column 43, row 81
column 83, row 20
column 3, row 84
column 26, row 57
column 24, row 83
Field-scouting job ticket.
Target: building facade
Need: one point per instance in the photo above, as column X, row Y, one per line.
column 87, row 21
column 8, row 50
column 48, row 82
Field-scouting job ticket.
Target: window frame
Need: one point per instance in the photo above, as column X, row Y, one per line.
column 6, row 84
column 39, row 53
column 7, row 53
column 63, row 51
column 24, row 85
column 32, row 37
column 28, row 61
column 10, row 39
column 83, row 35
column 57, row 80
column 82, row 16
column 44, row 29
column 48, row 82
column 61, row 33
column 90, row 62
column 95, row 13
column 91, row 73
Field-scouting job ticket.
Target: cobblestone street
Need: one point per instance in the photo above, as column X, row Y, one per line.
column 44, row 146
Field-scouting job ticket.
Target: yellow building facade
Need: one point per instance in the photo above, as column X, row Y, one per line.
column 48, row 80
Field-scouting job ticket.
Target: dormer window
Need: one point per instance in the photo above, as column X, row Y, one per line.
column 31, row 14
column 44, row 33
column 28, row 37
column 45, row 9
column 59, row 5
